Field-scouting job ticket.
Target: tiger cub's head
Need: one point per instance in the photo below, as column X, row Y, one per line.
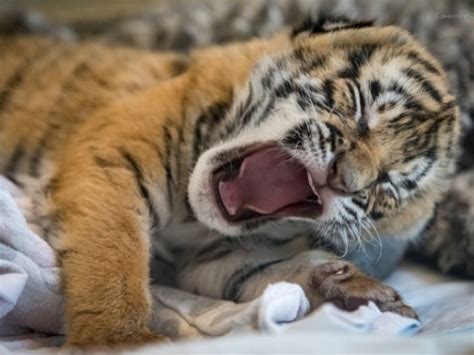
column 352, row 129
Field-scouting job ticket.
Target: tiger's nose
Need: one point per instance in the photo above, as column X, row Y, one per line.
column 353, row 171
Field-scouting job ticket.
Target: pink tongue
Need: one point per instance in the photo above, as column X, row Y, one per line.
column 267, row 181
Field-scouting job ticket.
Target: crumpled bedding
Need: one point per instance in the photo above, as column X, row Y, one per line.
column 31, row 304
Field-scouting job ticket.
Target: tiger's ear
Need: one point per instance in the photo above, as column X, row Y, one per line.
column 326, row 24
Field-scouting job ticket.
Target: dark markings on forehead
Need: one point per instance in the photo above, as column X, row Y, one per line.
column 328, row 92
column 425, row 83
column 362, row 124
column 375, row 89
column 357, row 58
column 350, row 88
column 411, row 103
column 423, row 62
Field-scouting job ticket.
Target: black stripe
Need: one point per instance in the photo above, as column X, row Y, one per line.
column 38, row 153
column 408, row 184
column 427, row 86
column 206, row 124
column 268, row 109
column 357, row 59
column 363, row 124
column 308, row 60
column 383, row 177
column 411, row 102
column 45, row 140
column 276, row 242
column 248, row 115
column 304, row 97
column 334, row 133
column 293, row 139
column 425, row 63
column 284, row 89
column 350, row 211
column 376, row 215
column 214, row 251
column 297, row 135
column 104, row 163
column 13, row 82
column 375, row 89
column 189, row 215
column 236, row 281
column 359, row 203
column 13, row 162
column 181, row 145
column 361, row 98
column 137, row 173
column 17, row 78
column 170, row 182
column 346, row 222
column 326, row 24
column 322, row 142
column 328, row 90
column 353, row 96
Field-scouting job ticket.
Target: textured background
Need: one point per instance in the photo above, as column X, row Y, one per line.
column 445, row 27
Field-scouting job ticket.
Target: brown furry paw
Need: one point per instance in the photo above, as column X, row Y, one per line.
column 343, row 284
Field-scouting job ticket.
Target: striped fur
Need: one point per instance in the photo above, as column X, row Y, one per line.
column 116, row 145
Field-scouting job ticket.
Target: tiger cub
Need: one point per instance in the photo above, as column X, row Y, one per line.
column 235, row 163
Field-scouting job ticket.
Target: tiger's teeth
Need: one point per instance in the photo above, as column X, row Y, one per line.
column 311, row 184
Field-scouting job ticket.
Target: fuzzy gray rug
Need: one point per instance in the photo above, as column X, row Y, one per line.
column 446, row 28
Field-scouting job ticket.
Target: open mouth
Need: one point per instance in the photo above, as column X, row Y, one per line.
column 267, row 183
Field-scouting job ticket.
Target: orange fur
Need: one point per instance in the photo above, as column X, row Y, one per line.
column 75, row 113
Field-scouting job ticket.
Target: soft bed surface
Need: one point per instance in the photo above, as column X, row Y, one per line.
column 445, row 306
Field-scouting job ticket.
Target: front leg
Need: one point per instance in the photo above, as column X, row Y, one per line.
column 241, row 270
column 103, row 225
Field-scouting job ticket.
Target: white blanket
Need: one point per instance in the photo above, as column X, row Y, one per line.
column 31, row 303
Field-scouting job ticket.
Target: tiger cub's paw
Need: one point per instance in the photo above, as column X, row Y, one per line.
column 341, row 283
